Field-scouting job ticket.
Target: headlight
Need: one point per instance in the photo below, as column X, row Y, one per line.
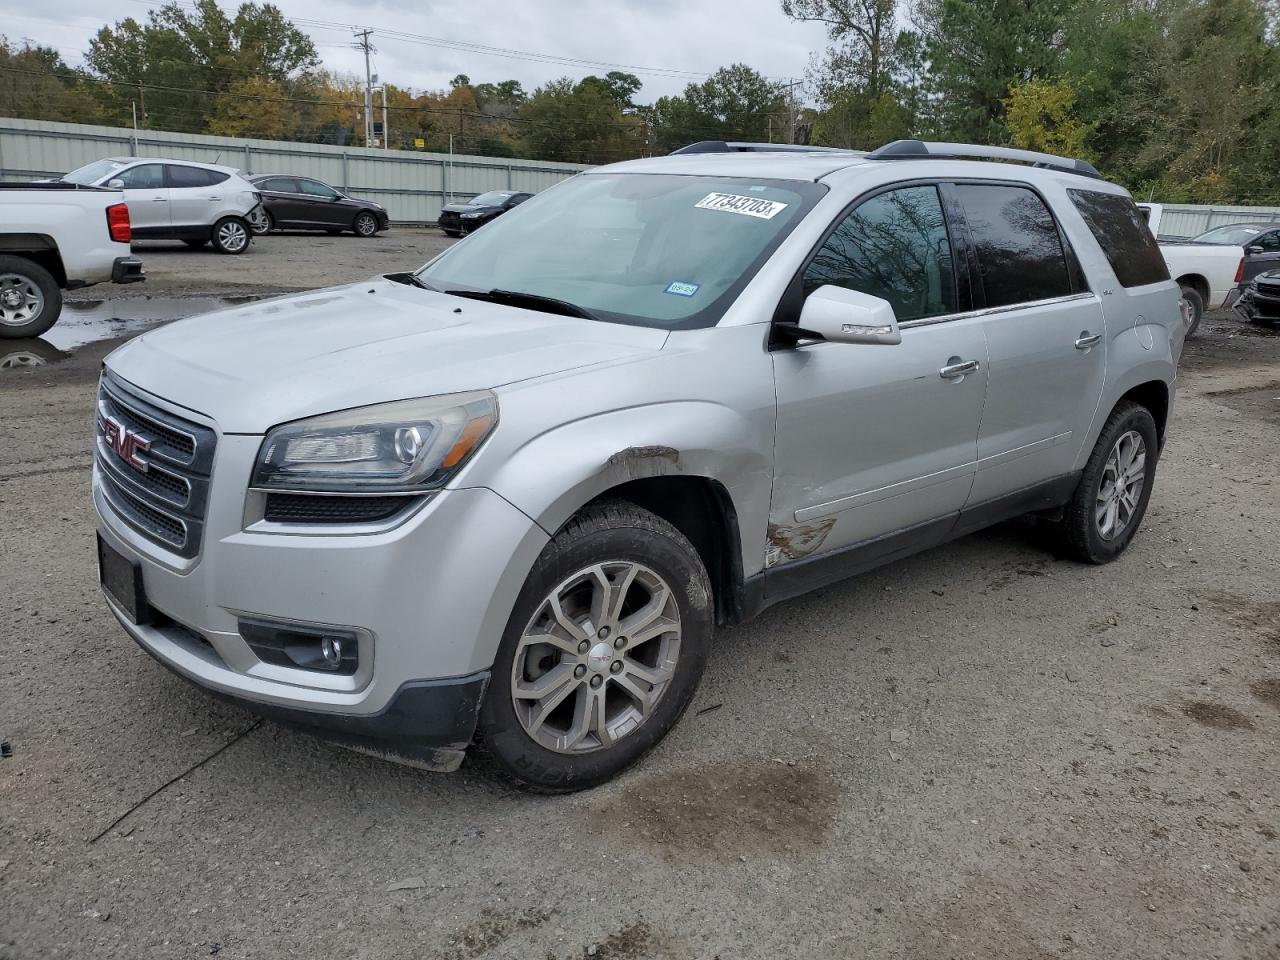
column 402, row 446
column 471, row 216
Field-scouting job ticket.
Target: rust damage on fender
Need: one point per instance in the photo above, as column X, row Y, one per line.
column 639, row 462
column 796, row 541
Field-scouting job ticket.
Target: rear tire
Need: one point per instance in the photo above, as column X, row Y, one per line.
column 231, row 236
column 451, row 233
column 1105, row 511
column 1192, row 296
column 603, row 651
column 262, row 224
column 30, row 300
column 365, row 225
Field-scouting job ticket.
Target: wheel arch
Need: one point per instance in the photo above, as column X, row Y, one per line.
column 40, row 249
column 1197, row 283
column 1154, row 395
column 701, row 509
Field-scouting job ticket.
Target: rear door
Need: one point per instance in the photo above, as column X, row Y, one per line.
column 194, row 201
column 147, row 196
column 280, row 197
column 1045, row 337
column 875, row 439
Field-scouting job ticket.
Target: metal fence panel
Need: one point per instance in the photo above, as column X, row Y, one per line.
column 411, row 185
column 1186, row 220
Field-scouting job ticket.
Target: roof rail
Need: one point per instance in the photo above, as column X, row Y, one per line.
column 729, row 146
column 923, row 150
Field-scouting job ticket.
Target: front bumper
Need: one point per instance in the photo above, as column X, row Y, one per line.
column 127, row 270
column 428, row 594
column 1258, row 306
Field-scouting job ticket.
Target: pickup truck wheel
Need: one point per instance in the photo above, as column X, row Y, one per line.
column 1111, row 498
column 30, row 300
column 602, row 653
column 1193, row 298
column 230, row 235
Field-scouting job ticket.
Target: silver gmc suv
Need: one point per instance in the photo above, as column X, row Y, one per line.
column 509, row 497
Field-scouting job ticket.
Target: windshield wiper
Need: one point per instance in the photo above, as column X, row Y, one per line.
column 534, row 301
column 412, row 280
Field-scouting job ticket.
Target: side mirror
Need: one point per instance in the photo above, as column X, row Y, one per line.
column 115, row 184
column 1253, row 248
column 846, row 316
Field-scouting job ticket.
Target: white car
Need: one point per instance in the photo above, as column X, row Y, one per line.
column 1207, row 272
column 196, row 203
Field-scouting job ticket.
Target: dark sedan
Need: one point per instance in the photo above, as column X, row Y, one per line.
column 459, row 218
column 300, row 203
column 1260, row 301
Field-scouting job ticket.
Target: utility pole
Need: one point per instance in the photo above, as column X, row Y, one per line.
column 386, row 131
column 364, row 44
column 791, row 109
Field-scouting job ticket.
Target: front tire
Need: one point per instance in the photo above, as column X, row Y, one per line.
column 365, row 225
column 1110, row 500
column 1196, row 302
column 603, row 651
column 231, row 236
column 30, row 300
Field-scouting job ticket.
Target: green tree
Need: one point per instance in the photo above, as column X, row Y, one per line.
column 621, row 87
column 577, row 122
column 36, row 82
column 1039, row 117
column 180, row 50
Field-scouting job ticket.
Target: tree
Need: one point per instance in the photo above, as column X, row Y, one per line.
column 181, row 60
column 1039, row 117
column 36, row 82
column 620, row 87
column 577, row 122
column 861, row 33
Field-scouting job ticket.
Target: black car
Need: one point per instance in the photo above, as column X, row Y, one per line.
column 1260, row 300
column 1261, row 242
column 459, row 218
column 300, row 203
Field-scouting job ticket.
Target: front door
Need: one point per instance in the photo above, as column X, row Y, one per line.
column 879, row 439
column 1045, row 336
column 147, row 197
column 321, row 205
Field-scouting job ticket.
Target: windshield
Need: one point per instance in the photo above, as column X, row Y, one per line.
column 1231, row 235
column 649, row 249
column 491, row 199
column 92, row 172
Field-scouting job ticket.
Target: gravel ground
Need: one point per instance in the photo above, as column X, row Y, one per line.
column 981, row 752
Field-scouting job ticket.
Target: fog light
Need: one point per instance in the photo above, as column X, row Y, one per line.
column 308, row 648
column 331, row 650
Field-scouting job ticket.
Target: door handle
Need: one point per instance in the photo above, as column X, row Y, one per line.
column 159, row 199
column 954, row 371
column 1087, row 340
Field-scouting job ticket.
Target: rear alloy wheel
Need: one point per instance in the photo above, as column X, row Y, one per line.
column 366, row 225
column 1111, row 498
column 30, row 300
column 603, row 651
column 1196, row 303
column 231, row 235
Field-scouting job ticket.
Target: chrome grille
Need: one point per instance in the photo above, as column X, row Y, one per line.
column 164, row 495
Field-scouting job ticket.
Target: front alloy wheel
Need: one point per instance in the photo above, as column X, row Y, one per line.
column 366, row 225
column 602, row 652
column 596, row 658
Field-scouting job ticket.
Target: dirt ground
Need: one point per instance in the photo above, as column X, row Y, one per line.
column 981, row 752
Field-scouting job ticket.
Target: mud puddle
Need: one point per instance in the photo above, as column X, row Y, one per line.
column 93, row 321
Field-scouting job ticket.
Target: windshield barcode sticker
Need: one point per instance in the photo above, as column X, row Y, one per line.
column 747, row 206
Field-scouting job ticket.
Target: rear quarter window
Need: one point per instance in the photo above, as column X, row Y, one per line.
column 1118, row 225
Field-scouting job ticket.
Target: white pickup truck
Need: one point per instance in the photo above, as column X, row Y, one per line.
column 1207, row 272
column 55, row 237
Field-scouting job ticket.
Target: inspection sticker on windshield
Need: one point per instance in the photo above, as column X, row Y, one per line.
column 682, row 288
column 747, row 206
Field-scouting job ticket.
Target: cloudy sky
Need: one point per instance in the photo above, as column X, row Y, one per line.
column 676, row 40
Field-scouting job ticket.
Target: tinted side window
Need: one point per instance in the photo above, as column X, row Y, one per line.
column 1020, row 255
column 149, row 176
column 278, row 185
column 1121, row 231
column 1269, row 242
column 189, row 177
column 314, row 188
column 894, row 246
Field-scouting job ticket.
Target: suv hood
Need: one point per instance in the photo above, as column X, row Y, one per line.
column 261, row 364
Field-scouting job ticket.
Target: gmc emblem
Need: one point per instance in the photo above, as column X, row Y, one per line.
column 124, row 442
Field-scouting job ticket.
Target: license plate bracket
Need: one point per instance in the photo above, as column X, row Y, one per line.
column 121, row 580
